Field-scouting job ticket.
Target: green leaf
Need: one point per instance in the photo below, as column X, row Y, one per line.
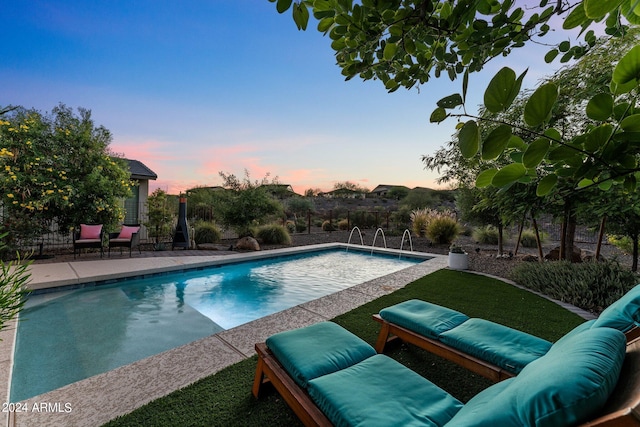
column 605, row 185
column 598, row 137
column 283, row 5
column 509, row 174
column 600, row 107
column 325, row 24
column 501, row 91
column 485, row 177
column 390, row 50
column 576, row 18
column 585, row 183
column 300, row 15
column 465, row 82
column 546, row 184
column 438, row 115
column 496, row 142
column 537, row 110
column 630, row 183
column 517, row 143
column 631, row 123
column 562, row 153
column 619, row 89
column 553, row 134
column 550, row 56
column 628, row 68
column 450, row 101
column 535, row 152
column 595, row 9
column 469, row 139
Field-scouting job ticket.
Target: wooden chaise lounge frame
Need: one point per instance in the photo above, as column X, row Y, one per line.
column 390, row 332
column 621, row 410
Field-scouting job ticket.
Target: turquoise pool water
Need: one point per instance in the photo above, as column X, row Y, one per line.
column 70, row 335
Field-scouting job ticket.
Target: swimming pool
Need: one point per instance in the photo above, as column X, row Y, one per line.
column 70, row 335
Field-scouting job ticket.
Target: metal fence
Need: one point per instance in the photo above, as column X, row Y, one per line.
column 56, row 241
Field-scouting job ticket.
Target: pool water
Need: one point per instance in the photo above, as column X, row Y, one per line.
column 67, row 336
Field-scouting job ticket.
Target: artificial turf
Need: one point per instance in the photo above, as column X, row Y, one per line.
column 225, row 399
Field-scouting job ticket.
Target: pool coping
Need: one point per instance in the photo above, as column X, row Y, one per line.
column 98, row 399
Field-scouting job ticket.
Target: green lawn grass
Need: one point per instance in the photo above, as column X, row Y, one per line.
column 225, row 399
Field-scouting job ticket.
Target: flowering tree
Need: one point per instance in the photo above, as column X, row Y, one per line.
column 58, row 168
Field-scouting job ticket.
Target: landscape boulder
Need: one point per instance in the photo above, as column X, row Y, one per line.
column 247, row 244
column 591, row 256
column 554, row 254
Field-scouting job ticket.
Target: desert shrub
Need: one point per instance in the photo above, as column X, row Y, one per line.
column 438, row 226
column 246, row 231
column 402, row 217
column 363, row 219
column 624, row 243
column 291, row 226
column 442, row 228
column 273, row 234
column 487, row 235
column 343, row 224
column 301, row 225
column 206, row 232
column 528, row 238
column 592, row 286
column 327, row 226
column 419, row 219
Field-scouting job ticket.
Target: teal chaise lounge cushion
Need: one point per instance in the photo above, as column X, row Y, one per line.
column 505, row 347
column 381, row 392
column 427, row 319
column 566, row 386
column 317, row 350
column 623, row 314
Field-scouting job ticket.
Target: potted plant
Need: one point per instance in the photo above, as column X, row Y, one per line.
column 458, row 258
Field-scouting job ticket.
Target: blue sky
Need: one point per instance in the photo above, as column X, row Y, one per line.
column 194, row 88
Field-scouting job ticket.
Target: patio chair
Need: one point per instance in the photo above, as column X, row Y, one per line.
column 89, row 236
column 329, row 376
column 127, row 237
column 489, row 349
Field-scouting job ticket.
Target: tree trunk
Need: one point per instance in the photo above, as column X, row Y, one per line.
column 519, row 235
column 600, row 236
column 500, row 240
column 563, row 237
column 571, row 234
column 634, row 239
column 539, row 243
column 568, row 232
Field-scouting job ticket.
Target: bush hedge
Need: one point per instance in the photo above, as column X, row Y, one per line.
column 487, row 235
column 206, row 232
column 273, row 234
column 592, row 286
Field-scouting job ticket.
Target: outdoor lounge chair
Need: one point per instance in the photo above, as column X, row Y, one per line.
column 127, row 237
column 492, row 350
column 328, row 376
column 87, row 237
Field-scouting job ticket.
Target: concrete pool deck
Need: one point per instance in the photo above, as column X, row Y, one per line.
column 98, row 399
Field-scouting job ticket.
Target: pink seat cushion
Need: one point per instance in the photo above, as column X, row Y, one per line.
column 90, row 231
column 127, row 232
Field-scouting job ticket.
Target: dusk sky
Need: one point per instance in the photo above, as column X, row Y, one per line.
column 195, row 88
